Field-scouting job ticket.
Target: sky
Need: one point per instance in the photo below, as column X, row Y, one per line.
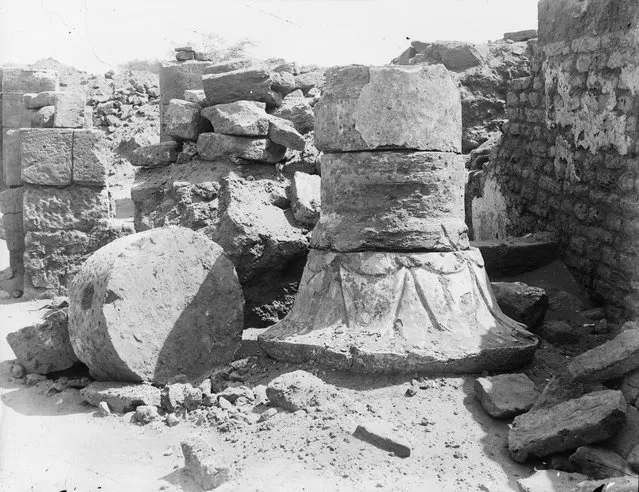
column 96, row 35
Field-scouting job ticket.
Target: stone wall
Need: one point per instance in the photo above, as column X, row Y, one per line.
column 568, row 158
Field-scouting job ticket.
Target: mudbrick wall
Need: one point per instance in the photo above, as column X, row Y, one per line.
column 568, row 158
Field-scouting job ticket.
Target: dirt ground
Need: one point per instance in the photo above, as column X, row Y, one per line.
column 59, row 443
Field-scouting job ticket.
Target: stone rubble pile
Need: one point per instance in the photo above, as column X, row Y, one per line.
column 391, row 227
column 234, row 136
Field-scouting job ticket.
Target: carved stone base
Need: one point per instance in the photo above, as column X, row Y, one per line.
column 399, row 312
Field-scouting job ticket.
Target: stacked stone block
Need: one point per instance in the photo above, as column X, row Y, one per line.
column 568, row 157
column 391, row 283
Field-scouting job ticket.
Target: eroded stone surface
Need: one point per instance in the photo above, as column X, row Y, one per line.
column 506, row 395
column 182, row 120
column 390, row 312
column 47, row 156
column 156, row 155
column 365, row 108
column 246, row 118
column 122, row 327
column 91, row 159
column 522, row 302
column 298, row 390
column 213, row 146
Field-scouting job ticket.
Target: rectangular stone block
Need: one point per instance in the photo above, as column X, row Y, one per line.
column 90, row 158
column 11, row 157
column 47, row 156
column 20, row 80
column 14, row 114
column 11, row 200
column 75, row 207
column 69, row 110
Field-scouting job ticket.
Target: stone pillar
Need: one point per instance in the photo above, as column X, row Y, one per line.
column 391, row 284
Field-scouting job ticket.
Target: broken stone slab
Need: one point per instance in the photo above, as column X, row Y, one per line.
column 398, row 201
column 296, row 109
column 522, row 302
column 121, row 397
column 44, row 347
column 518, row 36
column 599, row 463
column 244, row 84
column 182, row 120
column 121, row 326
column 382, row 435
column 306, row 198
column 506, row 395
column 283, row 132
column 211, row 146
column 550, row 480
column 91, row 158
column 156, row 155
column 202, row 465
column 610, row 360
column 592, row 418
column 80, row 208
column 367, row 108
column 391, row 312
column 561, row 388
column 298, row 390
column 69, row 110
column 245, row 118
column 47, row 157
column 39, row 100
column 628, row 436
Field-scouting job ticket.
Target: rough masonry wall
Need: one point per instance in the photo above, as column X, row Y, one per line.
column 568, row 159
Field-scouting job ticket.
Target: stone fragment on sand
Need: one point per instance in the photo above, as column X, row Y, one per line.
column 367, row 108
column 599, row 463
column 145, row 414
column 202, row 465
column 306, row 198
column 121, row 397
column 156, row 155
column 506, row 395
column 297, row 390
column 245, row 84
column 47, row 156
column 103, row 409
column 283, row 132
column 244, row 118
column 382, row 435
column 610, row 360
column 212, row 146
column 44, row 347
column 522, row 302
column 592, row 418
column 550, row 480
column 121, row 326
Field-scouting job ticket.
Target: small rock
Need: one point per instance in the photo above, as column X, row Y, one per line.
column 306, row 198
column 156, row 155
column 103, row 409
column 205, row 387
column 18, row 371
column 506, row 395
column 201, row 463
column 145, row 414
column 381, row 434
column 521, row 302
column 192, row 398
column 267, row 414
column 410, row 392
column 172, row 420
column 598, row 462
column 173, row 395
column 233, row 394
column 33, row 379
column 209, row 399
column 246, row 118
column 297, row 390
column 550, row 480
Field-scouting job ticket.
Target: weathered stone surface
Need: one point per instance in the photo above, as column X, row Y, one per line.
column 248, row 84
column 598, row 462
column 305, row 161
column 310, row 79
column 201, row 463
column 298, row 390
column 550, row 480
column 589, row 419
column 514, row 256
column 195, row 95
column 506, row 395
column 14, row 114
column 182, row 120
column 11, row 200
column 212, row 146
column 296, row 109
column 392, row 201
column 91, row 158
column 628, row 436
column 11, row 160
column 47, row 156
column 389, row 312
column 283, row 132
column 145, row 414
column 366, row 108
column 69, row 110
column 382, row 435
column 232, row 65
column 39, row 100
column 521, row 302
column 238, row 118
column 34, row 81
column 611, row 360
column 122, row 328
column 283, row 82
column 156, row 155
column 121, row 397
column 51, row 259
column 306, row 198
column 51, row 209
column 518, row 36
column 43, row 117
column 44, row 347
